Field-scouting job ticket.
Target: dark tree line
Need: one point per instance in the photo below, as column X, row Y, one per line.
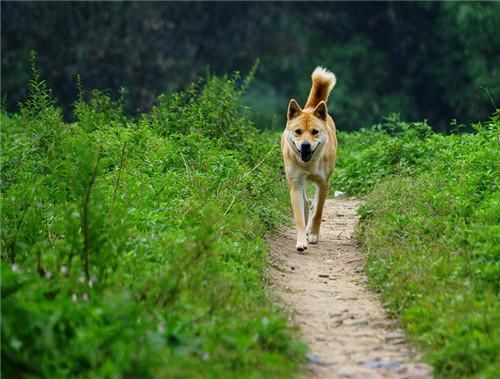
column 424, row 60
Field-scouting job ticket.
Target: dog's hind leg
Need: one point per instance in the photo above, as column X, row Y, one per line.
column 312, row 210
column 316, row 217
column 306, row 208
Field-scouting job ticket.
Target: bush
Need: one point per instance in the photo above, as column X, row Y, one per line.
column 133, row 247
column 430, row 227
column 370, row 155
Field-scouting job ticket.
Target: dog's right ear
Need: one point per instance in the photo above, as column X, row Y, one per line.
column 294, row 109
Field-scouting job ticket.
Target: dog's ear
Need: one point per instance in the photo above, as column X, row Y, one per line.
column 320, row 111
column 294, row 109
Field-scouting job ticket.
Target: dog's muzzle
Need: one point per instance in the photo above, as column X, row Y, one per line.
column 306, row 152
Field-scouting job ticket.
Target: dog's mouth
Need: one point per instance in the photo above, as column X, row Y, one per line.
column 306, row 154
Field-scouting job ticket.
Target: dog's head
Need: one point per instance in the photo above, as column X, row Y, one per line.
column 306, row 129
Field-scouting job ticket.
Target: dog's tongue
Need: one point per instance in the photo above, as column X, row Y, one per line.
column 306, row 155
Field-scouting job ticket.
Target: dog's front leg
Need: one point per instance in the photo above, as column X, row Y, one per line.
column 298, row 204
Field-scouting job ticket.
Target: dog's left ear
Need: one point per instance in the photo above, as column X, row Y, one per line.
column 320, row 111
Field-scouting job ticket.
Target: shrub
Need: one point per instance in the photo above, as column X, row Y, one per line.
column 430, row 227
column 133, row 247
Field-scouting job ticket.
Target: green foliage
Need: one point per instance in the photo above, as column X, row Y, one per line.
column 430, row 60
column 210, row 109
column 134, row 247
column 370, row 155
column 431, row 228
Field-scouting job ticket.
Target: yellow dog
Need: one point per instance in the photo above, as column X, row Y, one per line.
column 309, row 147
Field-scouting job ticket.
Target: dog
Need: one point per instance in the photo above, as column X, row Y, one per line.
column 309, row 148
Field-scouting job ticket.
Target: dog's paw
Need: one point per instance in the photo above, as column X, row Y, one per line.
column 301, row 245
column 313, row 238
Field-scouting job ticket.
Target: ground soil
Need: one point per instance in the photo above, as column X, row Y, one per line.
column 349, row 333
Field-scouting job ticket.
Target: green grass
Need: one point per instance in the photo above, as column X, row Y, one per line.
column 431, row 230
column 134, row 247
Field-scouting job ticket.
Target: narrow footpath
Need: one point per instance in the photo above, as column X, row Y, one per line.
column 348, row 332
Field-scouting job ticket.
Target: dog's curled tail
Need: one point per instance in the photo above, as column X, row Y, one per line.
column 323, row 82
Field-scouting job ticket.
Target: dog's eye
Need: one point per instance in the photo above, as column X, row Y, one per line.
column 315, row 131
column 298, row 132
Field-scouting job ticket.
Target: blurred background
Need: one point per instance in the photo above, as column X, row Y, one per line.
column 425, row 60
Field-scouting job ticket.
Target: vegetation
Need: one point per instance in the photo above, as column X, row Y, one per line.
column 431, row 229
column 426, row 60
column 132, row 224
column 133, row 247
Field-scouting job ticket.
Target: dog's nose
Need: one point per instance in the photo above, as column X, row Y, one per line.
column 305, row 147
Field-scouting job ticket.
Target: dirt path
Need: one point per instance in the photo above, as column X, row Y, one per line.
column 346, row 328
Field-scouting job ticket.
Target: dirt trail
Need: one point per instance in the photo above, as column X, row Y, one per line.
column 346, row 328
